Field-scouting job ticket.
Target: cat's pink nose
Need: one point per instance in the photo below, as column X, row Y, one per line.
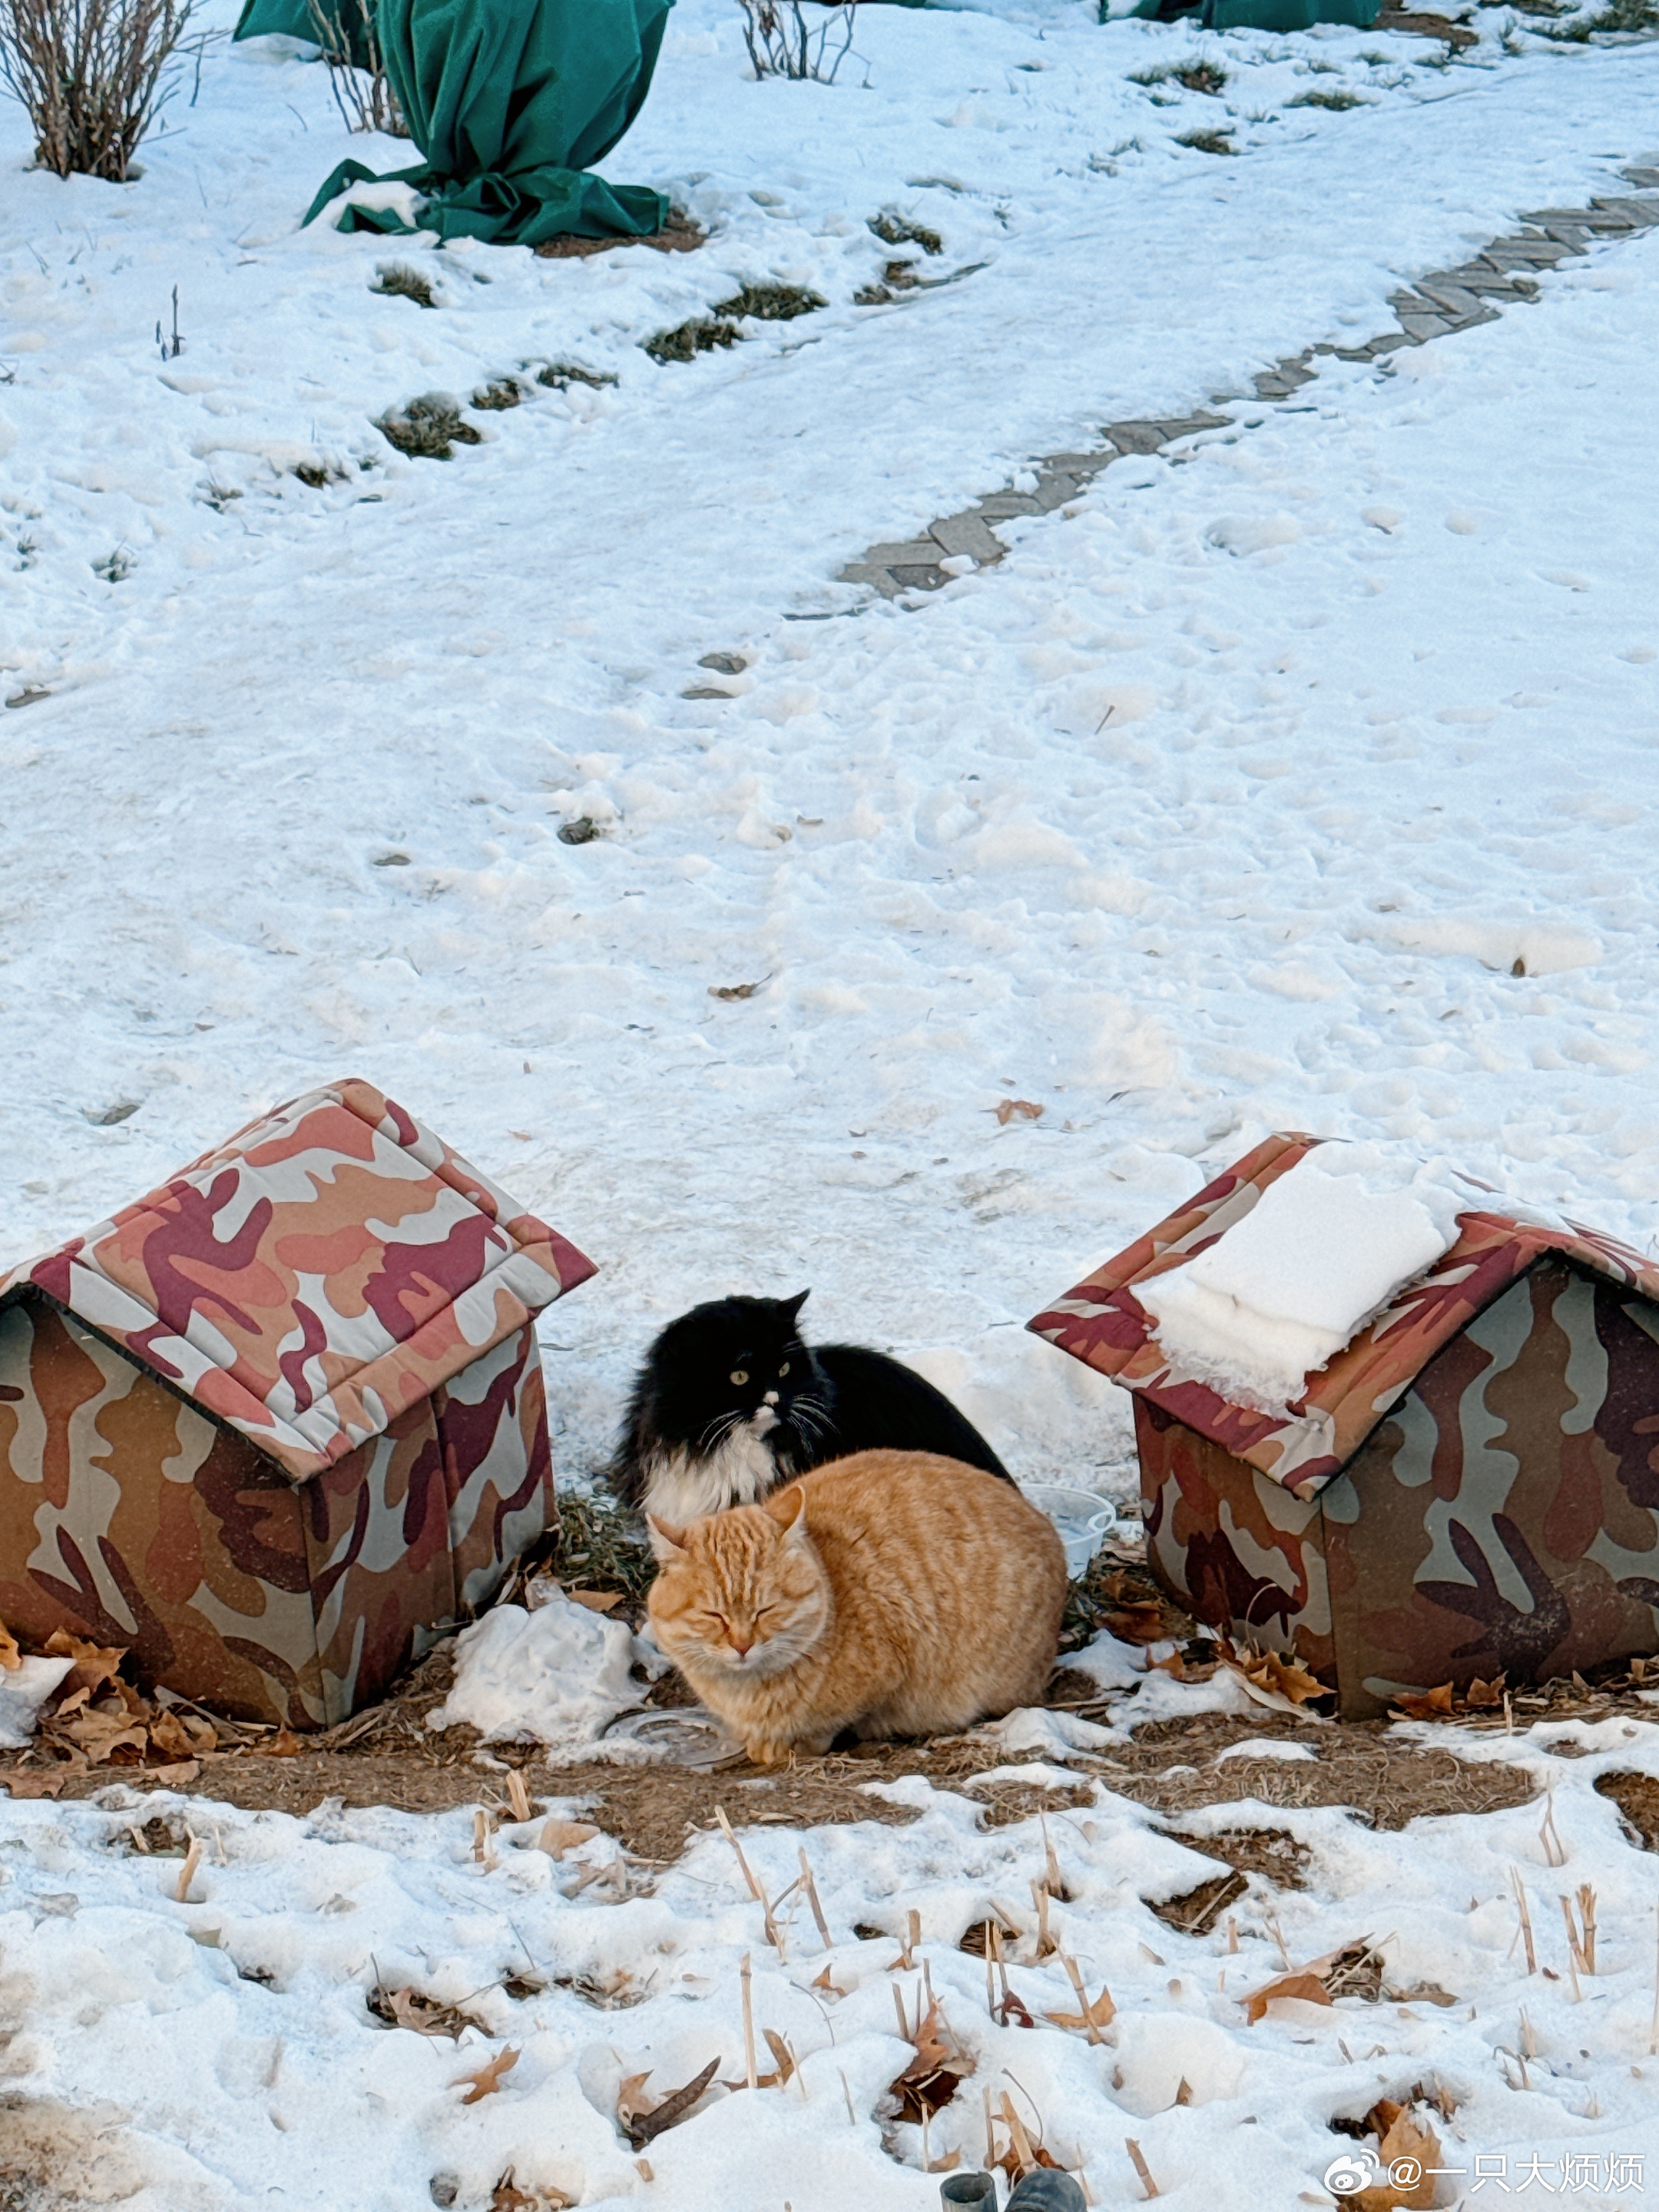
column 743, row 1650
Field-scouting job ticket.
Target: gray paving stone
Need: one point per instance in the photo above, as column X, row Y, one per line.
column 1188, row 425
column 1589, row 218
column 1455, row 300
column 909, row 548
column 969, row 533
column 1136, row 437
column 1444, row 302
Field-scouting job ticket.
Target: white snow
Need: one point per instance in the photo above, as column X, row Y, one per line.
column 277, row 2084
column 1298, row 778
column 24, row 1688
column 1287, row 1286
column 556, row 1676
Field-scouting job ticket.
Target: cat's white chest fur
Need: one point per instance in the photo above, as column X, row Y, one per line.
column 740, row 1471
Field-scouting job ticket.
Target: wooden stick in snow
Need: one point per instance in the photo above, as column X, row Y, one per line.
column 811, row 1889
column 745, row 1976
column 187, row 1872
column 1141, row 2166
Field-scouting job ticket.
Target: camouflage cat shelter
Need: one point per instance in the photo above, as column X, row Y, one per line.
column 1470, row 1488
column 280, row 1419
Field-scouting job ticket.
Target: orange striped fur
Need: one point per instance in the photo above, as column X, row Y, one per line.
column 893, row 1593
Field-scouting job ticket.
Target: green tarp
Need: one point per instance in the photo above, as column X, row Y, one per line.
column 510, row 102
column 1269, row 14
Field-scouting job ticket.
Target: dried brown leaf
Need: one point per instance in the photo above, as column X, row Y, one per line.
column 1100, row 2011
column 10, row 1657
column 644, row 2127
column 1307, row 1986
column 94, row 1662
column 1141, row 1621
column 1027, row 1109
column 1408, row 2155
column 284, row 1745
column 487, row 2079
column 32, row 1781
column 595, row 1600
column 557, row 1837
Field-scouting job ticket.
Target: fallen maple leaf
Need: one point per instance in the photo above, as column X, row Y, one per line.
column 1272, row 1679
column 932, row 2077
column 21, row 1783
column 179, row 1735
column 508, row 2196
column 1100, row 2011
column 1026, row 1108
column 487, row 2079
column 1409, row 2154
column 1435, row 1705
column 1141, row 1621
column 284, row 1745
column 642, row 2122
column 175, row 1776
column 1307, row 1986
column 557, row 1837
column 94, row 1663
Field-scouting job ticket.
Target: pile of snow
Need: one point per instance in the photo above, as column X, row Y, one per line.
column 557, row 1676
column 1287, row 1287
column 280, row 2086
column 24, row 1688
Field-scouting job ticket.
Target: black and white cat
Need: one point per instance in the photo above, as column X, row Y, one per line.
column 730, row 1402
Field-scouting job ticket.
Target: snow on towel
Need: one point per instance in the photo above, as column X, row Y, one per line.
column 1289, row 1285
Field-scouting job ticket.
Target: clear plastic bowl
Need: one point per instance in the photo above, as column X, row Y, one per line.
column 1084, row 1518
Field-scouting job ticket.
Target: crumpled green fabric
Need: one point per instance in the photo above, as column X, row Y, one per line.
column 1268, row 14
column 509, row 101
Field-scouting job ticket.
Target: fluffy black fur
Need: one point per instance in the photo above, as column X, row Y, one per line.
column 730, row 1402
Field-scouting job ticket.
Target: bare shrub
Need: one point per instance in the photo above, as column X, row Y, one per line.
column 349, row 37
column 783, row 42
column 92, row 75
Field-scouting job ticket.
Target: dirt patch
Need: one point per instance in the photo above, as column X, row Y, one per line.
column 894, row 230
column 1637, row 1796
column 1391, row 17
column 679, row 234
column 1175, row 1767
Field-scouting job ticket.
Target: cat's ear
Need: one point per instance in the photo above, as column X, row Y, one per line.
column 786, row 1508
column 792, row 1306
column 667, row 1541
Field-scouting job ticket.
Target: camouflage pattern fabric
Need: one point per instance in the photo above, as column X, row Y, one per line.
column 265, row 1581
column 312, row 1278
column 1497, row 1512
column 1101, row 1322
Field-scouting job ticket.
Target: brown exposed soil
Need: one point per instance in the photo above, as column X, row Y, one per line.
column 1637, row 1796
column 1391, row 17
column 679, row 234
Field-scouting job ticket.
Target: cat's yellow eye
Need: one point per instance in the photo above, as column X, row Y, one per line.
column 783, row 1370
column 740, row 1377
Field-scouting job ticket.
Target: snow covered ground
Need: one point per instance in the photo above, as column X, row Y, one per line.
column 1380, row 671
column 1302, row 778
column 218, row 2050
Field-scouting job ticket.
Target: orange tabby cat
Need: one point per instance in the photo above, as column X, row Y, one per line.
column 894, row 1593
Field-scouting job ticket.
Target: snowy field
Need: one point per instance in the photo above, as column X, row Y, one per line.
column 1301, row 778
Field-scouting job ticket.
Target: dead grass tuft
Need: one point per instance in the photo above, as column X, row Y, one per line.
column 559, row 375
column 894, row 230
column 701, row 334
column 396, row 281
column 770, row 303
column 428, row 429
column 1207, row 141
column 499, row 394
column 1335, row 103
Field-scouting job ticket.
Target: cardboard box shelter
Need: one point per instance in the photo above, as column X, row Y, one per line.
column 1470, row 1488
column 275, row 1423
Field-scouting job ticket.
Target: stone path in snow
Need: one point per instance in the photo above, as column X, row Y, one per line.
column 1448, row 300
